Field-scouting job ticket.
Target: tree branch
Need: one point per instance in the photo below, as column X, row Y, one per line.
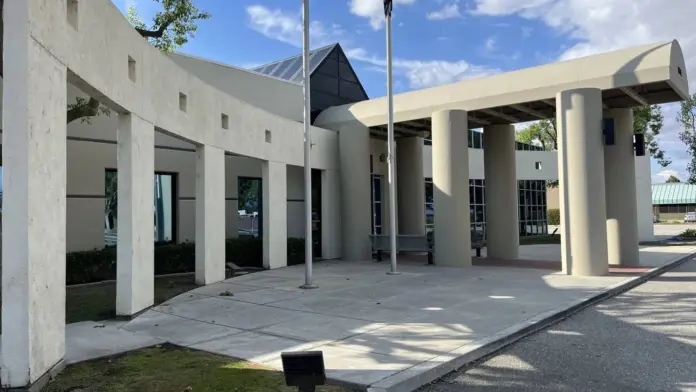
column 90, row 109
column 154, row 33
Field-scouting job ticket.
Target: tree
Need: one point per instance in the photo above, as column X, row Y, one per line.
column 171, row 28
column 672, row 180
column 687, row 119
column 648, row 121
column 542, row 133
column 111, row 197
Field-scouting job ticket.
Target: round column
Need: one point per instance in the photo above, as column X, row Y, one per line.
column 410, row 185
column 502, row 225
column 579, row 116
column 620, row 183
column 354, row 159
column 451, row 188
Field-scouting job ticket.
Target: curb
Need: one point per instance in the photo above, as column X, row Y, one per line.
column 435, row 368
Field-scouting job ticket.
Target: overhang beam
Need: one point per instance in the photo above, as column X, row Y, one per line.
column 636, row 97
column 530, row 111
column 498, row 114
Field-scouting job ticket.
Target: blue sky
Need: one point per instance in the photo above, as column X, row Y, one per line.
column 442, row 41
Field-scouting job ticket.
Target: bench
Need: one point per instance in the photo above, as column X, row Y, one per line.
column 404, row 243
column 417, row 243
column 477, row 240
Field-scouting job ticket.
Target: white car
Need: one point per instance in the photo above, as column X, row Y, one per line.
column 690, row 217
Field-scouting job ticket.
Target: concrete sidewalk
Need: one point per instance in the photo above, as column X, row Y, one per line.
column 378, row 331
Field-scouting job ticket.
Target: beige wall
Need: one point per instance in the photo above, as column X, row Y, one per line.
column 88, row 160
column 271, row 94
column 552, row 198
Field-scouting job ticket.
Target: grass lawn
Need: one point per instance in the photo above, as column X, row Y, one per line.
column 540, row 239
column 170, row 369
column 98, row 302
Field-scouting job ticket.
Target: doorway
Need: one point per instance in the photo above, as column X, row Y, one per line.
column 250, row 206
column 316, row 214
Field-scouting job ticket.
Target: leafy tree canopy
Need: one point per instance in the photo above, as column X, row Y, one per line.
column 687, row 119
column 171, row 27
column 672, row 180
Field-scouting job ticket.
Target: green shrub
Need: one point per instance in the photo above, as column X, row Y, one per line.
column 296, row 251
column 554, row 216
column 688, row 233
column 170, row 257
column 244, row 251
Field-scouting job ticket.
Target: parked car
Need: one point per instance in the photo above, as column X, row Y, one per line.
column 690, row 217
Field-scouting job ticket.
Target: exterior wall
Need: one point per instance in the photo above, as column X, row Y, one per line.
column 526, row 164
column 91, row 149
column 271, row 94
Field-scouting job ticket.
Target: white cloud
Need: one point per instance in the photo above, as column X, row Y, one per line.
column 491, row 44
column 663, row 175
column 426, row 73
column 286, row 27
column 597, row 26
column 374, row 10
column 448, row 11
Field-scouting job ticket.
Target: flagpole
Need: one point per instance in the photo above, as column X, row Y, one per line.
column 307, row 148
column 390, row 141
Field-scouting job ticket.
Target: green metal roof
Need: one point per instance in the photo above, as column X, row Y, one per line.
column 673, row 194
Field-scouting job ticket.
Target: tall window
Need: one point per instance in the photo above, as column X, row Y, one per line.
column 250, row 208
column 429, row 210
column 376, row 204
column 164, row 207
column 532, row 207
column 477, row 205
column 531, row 204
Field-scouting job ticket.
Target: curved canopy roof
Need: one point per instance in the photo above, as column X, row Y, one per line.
column 648, row 74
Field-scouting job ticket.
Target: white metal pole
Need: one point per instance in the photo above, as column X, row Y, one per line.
column 307, row 148
column 390, row 151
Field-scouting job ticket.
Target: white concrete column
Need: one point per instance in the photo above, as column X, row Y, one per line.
column 451, row 188
column 410, row 185
column 330, row 214
column 275, row 214
column 646, row 227
column 135, row 253
column 579, row 117
column 502, row 224
column 34, row 210
column 354, row 152
column 210, row 215
column 620, row 183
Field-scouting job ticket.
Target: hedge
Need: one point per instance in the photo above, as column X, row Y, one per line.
column 554, row 216
column 100, row 264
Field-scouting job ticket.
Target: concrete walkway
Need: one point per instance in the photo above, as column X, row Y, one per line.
column 376, row 331
column 643, row 340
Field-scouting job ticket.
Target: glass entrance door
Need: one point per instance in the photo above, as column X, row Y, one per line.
column 316, row 214
column 376, row 204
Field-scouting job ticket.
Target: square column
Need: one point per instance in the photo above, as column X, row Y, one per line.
column 502, row 225
column 410, row 185
column 275, row 214
column 620, row 183
column 581, row 169
column 451, row 188
column 34, row 216
column 135, row 252
column 354, row 154
column 210, row 215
